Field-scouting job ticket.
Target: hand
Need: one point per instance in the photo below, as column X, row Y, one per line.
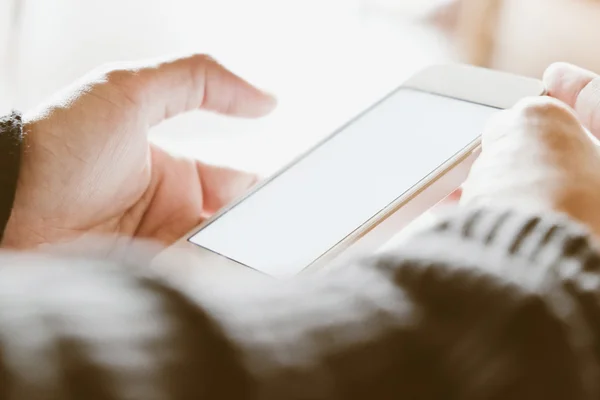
column 539, row 156
column 89, row 168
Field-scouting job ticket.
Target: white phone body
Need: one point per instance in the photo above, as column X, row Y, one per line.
column 433, row 122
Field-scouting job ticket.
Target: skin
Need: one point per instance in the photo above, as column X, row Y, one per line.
column 540, row 156
column 88, row 167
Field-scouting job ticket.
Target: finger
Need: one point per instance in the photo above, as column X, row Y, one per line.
column 451, row 200
column 545, row 121
column 221, row 185
column 454, row 196
column 535, row 146
column 171, row 87
column 578, row 88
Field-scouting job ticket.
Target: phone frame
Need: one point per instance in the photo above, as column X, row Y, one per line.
column 467, row 83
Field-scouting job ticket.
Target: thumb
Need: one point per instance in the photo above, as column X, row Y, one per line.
column 222, row 185
column 166, row 88
column 578, row 88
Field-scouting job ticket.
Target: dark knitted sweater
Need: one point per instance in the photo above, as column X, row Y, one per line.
column 484, row 305
column 11, row 139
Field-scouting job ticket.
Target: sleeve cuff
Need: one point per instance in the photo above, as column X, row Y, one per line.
column 11, row 143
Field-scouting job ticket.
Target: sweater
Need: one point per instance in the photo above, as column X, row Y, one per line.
column 484, row 304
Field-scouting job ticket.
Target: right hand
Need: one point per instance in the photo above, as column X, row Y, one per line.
column 538, row 155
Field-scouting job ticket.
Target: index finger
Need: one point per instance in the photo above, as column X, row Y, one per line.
column 168, row 87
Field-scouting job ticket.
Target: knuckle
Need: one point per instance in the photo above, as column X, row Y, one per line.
column 202, row 61
column 204, row 58
column 544, row 107
column 543, row 119
column 117, row 83
column 118, row 75
column 125, row 79
column 550, row 127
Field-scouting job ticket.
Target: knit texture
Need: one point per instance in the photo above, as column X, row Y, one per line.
column 486, row 304
column 11, row 140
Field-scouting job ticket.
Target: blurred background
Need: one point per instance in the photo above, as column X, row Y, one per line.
column 325, row 60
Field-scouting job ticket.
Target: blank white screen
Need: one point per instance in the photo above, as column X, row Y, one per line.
column 306, row 210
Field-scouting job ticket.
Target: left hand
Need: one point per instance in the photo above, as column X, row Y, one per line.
column 88, row 166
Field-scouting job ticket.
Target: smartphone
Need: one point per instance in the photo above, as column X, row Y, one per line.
column 356, row 189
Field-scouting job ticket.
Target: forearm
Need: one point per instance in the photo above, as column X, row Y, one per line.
column 483, row 305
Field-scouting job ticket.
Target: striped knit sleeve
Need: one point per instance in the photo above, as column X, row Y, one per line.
column 485, row 304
